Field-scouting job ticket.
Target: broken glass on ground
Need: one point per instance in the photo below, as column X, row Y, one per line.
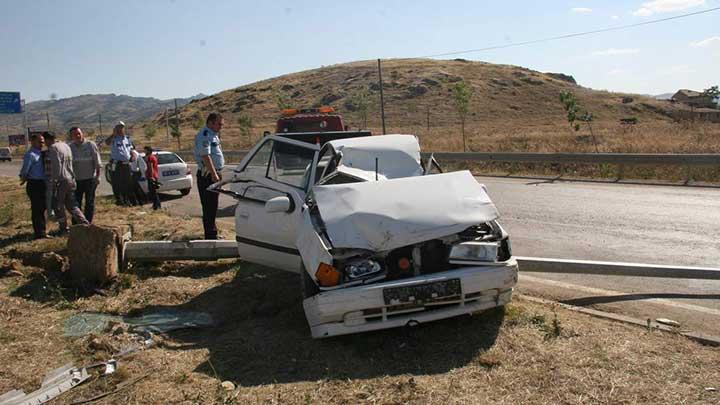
column 159, row 321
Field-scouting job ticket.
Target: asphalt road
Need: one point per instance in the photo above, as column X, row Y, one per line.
column 594, row 221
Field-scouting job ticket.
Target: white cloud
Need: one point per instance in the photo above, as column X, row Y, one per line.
column 666, row 6
column 615, row 72
column 615, row 17
column 705, row 43
column 581, row 10
column 616, row 51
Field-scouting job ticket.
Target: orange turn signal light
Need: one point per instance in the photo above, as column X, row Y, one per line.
column 327, row 275
column 326, row 109
column 289, row 111
column 404, row 263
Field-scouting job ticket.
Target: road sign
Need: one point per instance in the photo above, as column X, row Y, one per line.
column 16, row 140
column 10, row 102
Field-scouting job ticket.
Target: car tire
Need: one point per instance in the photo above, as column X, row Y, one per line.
column 185, row 191
column 309, row 288
column 108, row 173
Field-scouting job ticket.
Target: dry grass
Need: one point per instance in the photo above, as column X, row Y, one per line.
column 527, row 353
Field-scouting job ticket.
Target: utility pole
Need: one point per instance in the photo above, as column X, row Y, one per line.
column 167, row 127
column 177, row 122
column 25, row 124
column 100, row 124
column 382, row 99
column 47, row 117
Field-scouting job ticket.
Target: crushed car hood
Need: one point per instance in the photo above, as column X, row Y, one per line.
column 388, row 214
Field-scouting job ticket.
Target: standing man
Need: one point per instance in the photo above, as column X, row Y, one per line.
column 210, row 162
column 33, row 173
column 137, row 171
column 151, row 174
column 120, row 156
column 63, row 177
column 86, row 165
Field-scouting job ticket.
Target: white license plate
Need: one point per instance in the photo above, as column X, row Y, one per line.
column 171, row 172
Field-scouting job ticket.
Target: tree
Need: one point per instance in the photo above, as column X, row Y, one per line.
column 713, row 93
column 360, row 102
column 573, row 114
column 245, row 123
column 282, row 99
column 198, row 120
column 462, row 93
column 150, row 131
column 53, row 97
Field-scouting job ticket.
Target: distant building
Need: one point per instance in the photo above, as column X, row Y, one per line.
column 693, row 99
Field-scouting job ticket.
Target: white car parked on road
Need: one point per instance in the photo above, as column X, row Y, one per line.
column 379, row 241
column 173, row 173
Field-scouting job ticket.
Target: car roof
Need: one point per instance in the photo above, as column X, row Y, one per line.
column 392, row 156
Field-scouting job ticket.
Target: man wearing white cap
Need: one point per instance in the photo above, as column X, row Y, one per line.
column 120, row 157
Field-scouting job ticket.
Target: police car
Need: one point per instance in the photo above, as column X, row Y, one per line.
column 173, row 173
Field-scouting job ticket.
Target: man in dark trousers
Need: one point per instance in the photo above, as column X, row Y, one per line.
column 86, row 165
column 120, row 155
column 210, row 162
column 33, row 174
column 151, row 174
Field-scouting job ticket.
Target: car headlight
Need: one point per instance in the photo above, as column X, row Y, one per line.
column 475, row 251
column 362, row 268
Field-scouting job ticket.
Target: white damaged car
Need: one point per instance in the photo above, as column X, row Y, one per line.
column 379, row 241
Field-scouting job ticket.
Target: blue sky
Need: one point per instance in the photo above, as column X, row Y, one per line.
column 177, row 48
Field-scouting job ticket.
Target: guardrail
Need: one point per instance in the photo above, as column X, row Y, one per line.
column 620, row 159
column 679, row 159
column 703, row 159
column 564, row 266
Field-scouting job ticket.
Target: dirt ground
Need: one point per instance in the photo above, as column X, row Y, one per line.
column 524, row 353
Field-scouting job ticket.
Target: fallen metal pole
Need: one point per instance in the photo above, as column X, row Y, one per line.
column 564, row 266
column 203, row 250
column 180, row 250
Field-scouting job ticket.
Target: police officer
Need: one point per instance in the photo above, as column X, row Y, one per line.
column 120, row 156
column 33, row 173
column 210, row 162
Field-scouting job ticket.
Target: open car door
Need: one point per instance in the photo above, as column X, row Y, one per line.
column 270, row 185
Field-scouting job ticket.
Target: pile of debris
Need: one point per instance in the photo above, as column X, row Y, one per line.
column 117, row 335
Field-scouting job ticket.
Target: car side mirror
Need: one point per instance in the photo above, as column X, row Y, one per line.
column 278, row 204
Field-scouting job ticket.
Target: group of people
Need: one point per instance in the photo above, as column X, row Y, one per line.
column 127, row 168
column 62, row 177
column 55, row 179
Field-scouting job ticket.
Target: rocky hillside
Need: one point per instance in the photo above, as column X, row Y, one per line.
column 83, row 111
column 418, row 91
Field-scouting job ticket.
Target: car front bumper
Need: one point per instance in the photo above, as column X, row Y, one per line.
column 363, row 308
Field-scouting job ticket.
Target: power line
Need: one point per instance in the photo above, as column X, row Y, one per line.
column 577, row 34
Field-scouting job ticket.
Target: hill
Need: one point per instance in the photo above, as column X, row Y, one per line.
column 83, row 111
column 513, row 108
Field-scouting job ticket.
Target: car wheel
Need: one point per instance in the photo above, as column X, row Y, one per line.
column 185, row 191
column 309, row 288
column 108, row 173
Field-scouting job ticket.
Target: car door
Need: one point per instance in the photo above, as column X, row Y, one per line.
column 276, row 168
